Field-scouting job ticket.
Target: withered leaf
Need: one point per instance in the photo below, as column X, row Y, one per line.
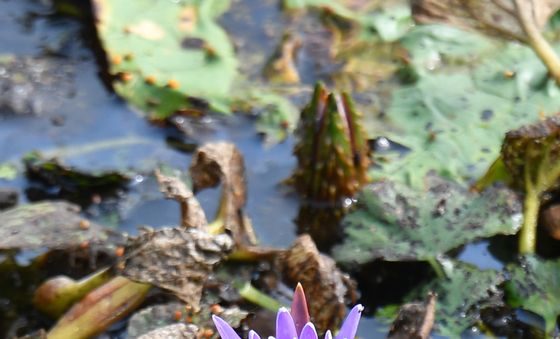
column 176, row 259
column 414, row 320
column 221, row 162
column 281, row 66
column 72, row 183
column 496, row 17
column 52, row 225
column 192, row 214
column 325, row 285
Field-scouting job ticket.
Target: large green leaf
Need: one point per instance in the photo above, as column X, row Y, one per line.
column 460, row 297
column 170, row 56
column 431, row 47
column 454, row 123
column 389, row 19
column 396, row 223
column 167, row 51
column 535, row 286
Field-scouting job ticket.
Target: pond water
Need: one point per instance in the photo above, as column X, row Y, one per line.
column 92, row 129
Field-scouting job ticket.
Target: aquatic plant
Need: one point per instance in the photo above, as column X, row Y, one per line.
column 531, row 155
column 332, row 151
column 295, row 323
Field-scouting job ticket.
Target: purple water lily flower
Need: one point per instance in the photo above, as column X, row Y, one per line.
column 296, row 324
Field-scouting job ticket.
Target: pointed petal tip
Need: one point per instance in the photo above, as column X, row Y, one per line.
column 299, row 310
column 282, row 310
column 350, row 325
column 253, row 335
column 285, row 327
column 328, row 334
column 226, row 331
column 308, row 332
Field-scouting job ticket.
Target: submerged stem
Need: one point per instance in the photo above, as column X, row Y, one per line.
column 257, row 297
column 528, row 235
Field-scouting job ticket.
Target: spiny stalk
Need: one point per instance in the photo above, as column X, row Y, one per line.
column 332, row 151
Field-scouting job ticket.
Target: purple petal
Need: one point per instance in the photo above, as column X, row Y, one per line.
column 253, row 335
column 226, row 332
column 328, row 335
column 285, row 328
column 350, row 325
column 299, row 311
column 308, row 332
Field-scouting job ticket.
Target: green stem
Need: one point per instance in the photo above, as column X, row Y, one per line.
column 539, row 44
column 56, row 295
column 257, row 297
column 437, row 268
column 528, row 235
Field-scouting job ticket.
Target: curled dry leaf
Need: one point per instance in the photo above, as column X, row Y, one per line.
column 51, row 225
column 192, row 214
column 178, row 260
column 325, row 285
column 496, row 17
column 414, row 320
column 221, row 162
column 281, row 67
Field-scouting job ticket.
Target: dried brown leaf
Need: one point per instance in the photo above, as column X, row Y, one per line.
column 176, row 259
column 281, row 67
column 221, row 162
column 325, row 285
column 415, row 320
column 192, row 214
column 495, row 17
column 52, row 225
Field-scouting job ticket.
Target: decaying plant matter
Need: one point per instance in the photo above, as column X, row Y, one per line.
column 531, row 154
column 332, row 151
column 222, row 163
column 302, row 263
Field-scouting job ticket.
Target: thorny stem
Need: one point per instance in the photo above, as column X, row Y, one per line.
column 539, row 44
column 257, row 297
column 437, row 268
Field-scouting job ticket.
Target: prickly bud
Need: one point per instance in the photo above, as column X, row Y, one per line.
column 332, row 151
